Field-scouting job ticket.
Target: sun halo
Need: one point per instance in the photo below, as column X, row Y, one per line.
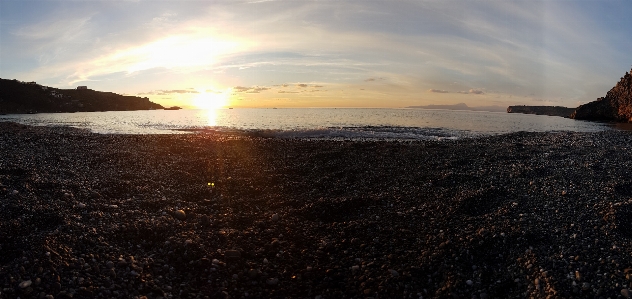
column 211, row 100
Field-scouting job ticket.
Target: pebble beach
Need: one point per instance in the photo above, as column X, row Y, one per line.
column 210, row 215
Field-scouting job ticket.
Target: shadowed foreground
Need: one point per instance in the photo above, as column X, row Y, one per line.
column 519, row 215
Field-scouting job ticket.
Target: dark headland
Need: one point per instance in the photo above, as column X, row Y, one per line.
column 542, row 215
column 461, row 106
column 30, row 97
column 616, row 106
column 542, row 110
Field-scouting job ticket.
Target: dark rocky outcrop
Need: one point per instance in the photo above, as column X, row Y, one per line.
column 461, row 106
column 542, row 110
column 615, row 106
column 30, row 97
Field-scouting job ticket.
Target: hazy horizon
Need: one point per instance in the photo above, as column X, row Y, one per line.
column 322, row 53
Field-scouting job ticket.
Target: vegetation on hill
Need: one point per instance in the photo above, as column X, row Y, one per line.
column 30, row 97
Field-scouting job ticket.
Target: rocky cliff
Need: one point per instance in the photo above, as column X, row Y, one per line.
column 542, row 110
column 461, row 106
column 615, row 106
column 30, row 97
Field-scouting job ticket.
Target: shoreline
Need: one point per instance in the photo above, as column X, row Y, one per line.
column 90, row 215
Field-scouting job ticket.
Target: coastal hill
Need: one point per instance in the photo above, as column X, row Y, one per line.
column 542, row 110
column 30, row 97
column 615, row 106
column 461, row 106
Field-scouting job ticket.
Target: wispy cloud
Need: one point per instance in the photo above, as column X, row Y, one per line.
column 438, row 91
column 240, row 88
column 254, row 89
column 169, row 92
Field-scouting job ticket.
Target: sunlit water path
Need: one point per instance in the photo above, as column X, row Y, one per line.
column 331, row 123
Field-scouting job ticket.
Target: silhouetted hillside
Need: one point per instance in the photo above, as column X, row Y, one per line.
column 29, row 97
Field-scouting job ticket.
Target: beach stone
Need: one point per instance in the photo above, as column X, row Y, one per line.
column 272, row 281
column 469, row 282
column 253, row 273
column 25, row 284
column 275, row 217
column 232, row 254
column 15, row 192
column 180, row 215
column 626, row 293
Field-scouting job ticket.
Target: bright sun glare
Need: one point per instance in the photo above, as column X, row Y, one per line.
column 210, row 100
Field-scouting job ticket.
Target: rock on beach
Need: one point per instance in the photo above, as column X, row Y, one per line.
column 540, row 215
column 180, row 215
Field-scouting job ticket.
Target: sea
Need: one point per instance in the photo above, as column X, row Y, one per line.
column 315, row 123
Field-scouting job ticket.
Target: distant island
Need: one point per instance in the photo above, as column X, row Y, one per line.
column 462, row 106
column 29, row 97
column 542, row 110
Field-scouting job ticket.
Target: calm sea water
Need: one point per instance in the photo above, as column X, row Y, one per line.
column 328, row 123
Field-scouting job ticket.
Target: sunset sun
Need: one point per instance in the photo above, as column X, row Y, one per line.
column 210, row 100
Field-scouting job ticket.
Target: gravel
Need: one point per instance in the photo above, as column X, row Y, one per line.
column 543, row 215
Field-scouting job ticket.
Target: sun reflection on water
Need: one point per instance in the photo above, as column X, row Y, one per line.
column 211, row 116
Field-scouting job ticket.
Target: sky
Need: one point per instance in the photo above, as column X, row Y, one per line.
column 277, row 53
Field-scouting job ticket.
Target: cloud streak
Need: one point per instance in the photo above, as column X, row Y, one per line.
column 438, row 91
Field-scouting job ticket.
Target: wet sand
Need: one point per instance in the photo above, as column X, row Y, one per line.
column 133, row 216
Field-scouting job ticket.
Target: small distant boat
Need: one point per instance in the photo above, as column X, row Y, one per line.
column 173, row 108
column 230, row 107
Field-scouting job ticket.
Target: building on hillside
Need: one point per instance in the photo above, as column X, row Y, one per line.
column 82, row 87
